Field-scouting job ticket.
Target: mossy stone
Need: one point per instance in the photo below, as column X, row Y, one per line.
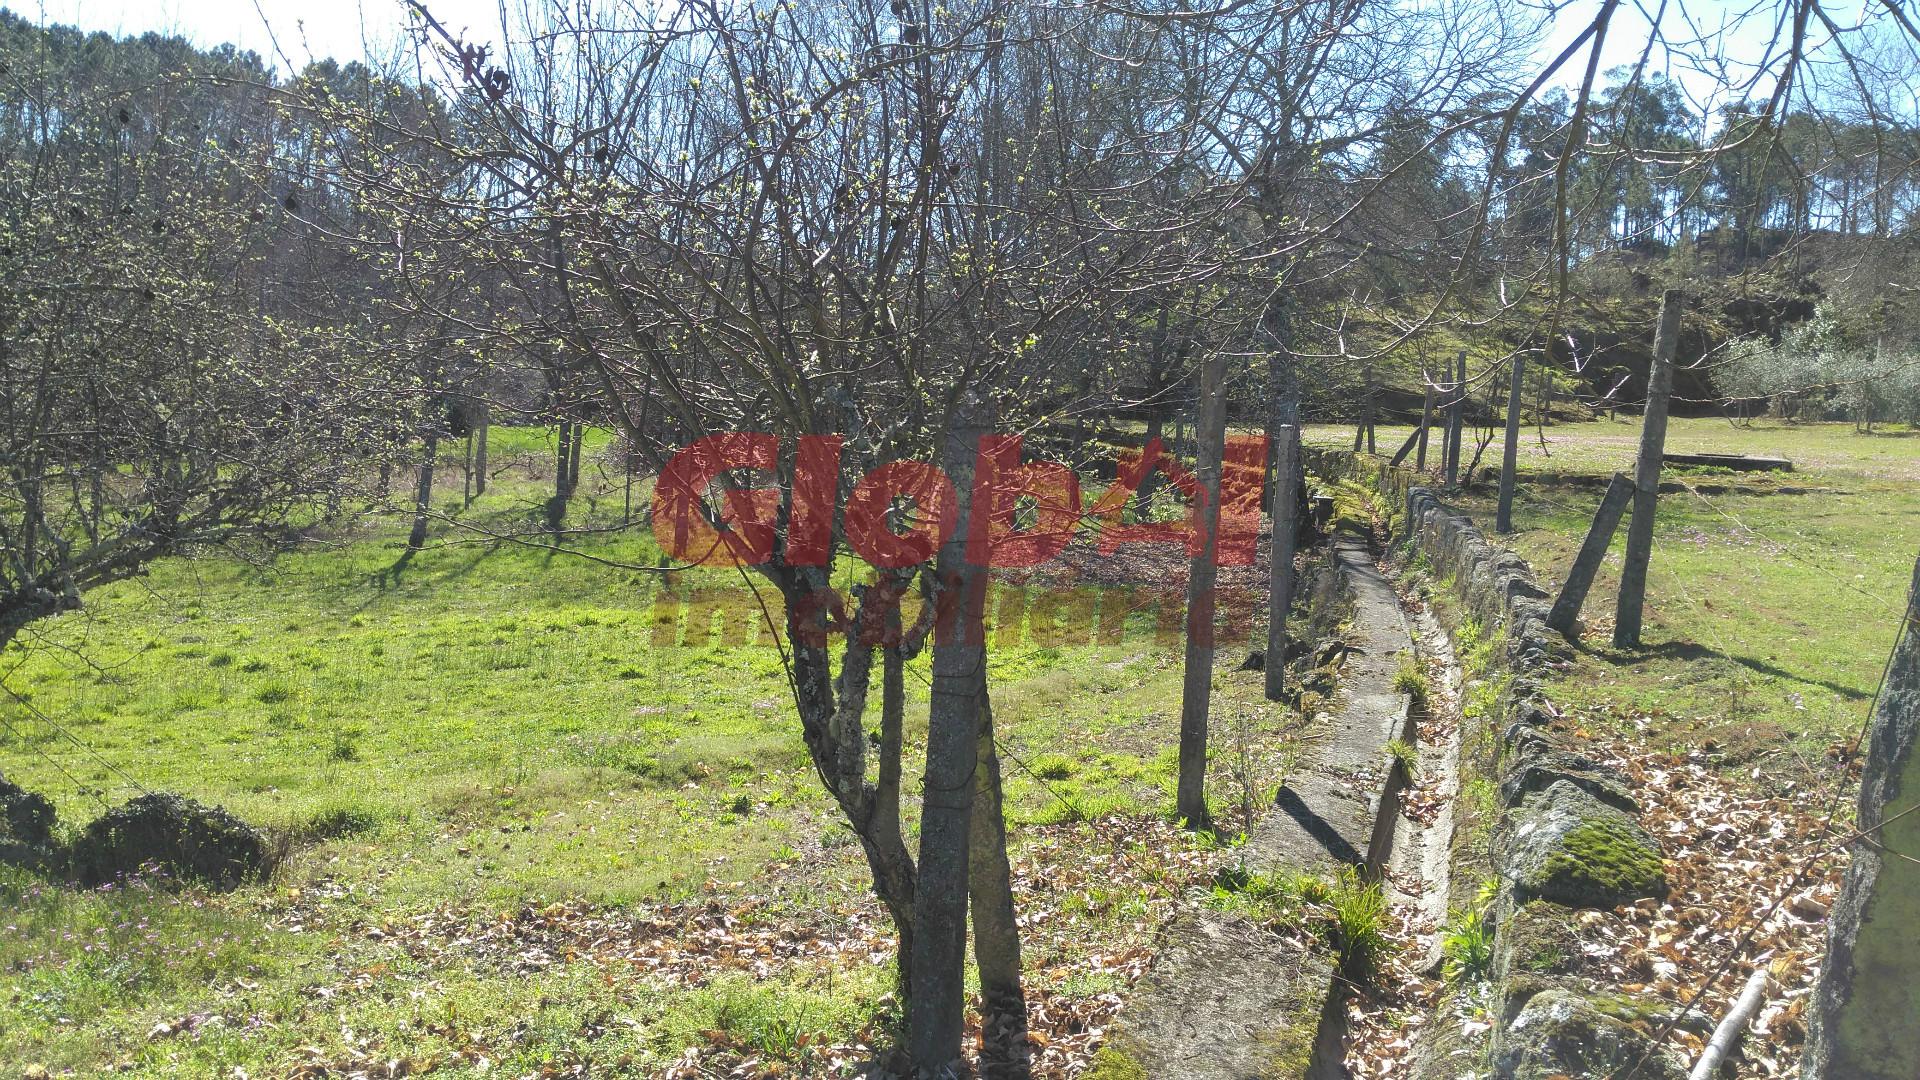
column 1538, row 938
column 1573, row 849
column 1559, row 1033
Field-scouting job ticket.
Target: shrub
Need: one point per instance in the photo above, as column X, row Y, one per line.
column 1406, row 754
column 25, row 817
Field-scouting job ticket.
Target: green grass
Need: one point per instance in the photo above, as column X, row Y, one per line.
column 1769, row 615
column 492, row 727
column 1345, row 911
column 1466, row 946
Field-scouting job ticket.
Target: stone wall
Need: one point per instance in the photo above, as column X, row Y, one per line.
column 1567, row 838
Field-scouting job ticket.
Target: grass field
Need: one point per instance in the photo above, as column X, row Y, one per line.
column 1770, row 613
column 496, row 727
column 543, row 824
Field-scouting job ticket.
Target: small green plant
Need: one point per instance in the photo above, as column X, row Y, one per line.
column 1285, row 900
column 1467, row 638
column 1359, row 922
column 1412, row 681
column 345, row 747
column 1466, row 946
column 1406, row 754
column 1054, row 767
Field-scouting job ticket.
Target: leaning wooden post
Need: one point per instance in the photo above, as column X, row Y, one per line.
column 1406, row 448
column 1510, row 456
column 1565, row 616
column 1646, row 477
column 1196, row 696
column 1456, row 409
column 1862, row 1016
column 1426, row 421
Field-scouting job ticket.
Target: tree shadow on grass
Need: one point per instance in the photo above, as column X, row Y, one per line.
column 1694, row 651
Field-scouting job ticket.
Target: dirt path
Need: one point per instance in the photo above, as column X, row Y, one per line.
column 1226, row 999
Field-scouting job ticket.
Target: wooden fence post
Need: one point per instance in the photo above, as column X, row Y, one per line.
column 1646, row 477
column 1426, row 421
column 1510, row 456
column 1456, row 410
column 1565, row 616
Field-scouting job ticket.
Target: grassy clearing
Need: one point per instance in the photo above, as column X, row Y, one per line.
column 496, row 727
column 1769, row 614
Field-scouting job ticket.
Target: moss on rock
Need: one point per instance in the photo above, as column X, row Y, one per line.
column 1112, row 1063
column 1573, row 849
column 1559, row 1033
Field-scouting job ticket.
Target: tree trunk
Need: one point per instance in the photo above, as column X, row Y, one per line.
column 1367, row 410
column 1456, row 412
column 562, row 471
column 1283, row 434
column 1196, row 695
column 423, row 494
column 1646, row 477
column 1862, row 1011
column 936, row 1015
column 1150, row 483
column 898, row 891
column 480, row 451
column 1510, row 454
column 996, row 933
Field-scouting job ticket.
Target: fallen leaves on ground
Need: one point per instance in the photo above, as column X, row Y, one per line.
column 1092, row 897
column 1737, row 900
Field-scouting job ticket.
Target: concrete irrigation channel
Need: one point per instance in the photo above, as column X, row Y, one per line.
column 1229, row 1000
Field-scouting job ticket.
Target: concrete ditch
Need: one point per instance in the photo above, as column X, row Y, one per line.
column 1563, row 845
column 1561, row 840
column 1228, row 1000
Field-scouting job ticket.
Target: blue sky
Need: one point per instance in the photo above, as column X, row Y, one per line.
column 305, row 29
